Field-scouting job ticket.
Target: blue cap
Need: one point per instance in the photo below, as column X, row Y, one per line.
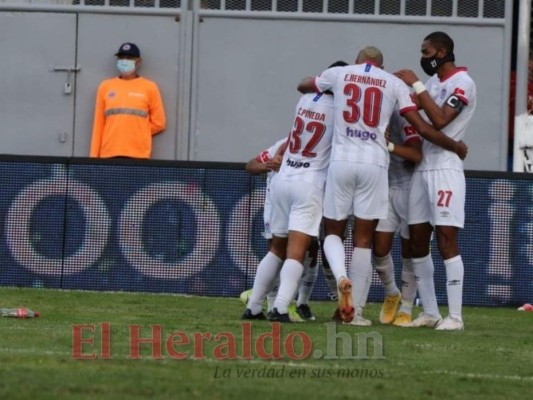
column 128, row 49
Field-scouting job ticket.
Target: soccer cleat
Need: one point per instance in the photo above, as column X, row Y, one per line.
column 305, row 313
column 293, row 313
column 402, row 319
column 451, row 324
column 359, row 320
column 275, row 316
column 389, row 308
column 424, row 319
column 248, row 315
column 346, row 310
column 245, row 296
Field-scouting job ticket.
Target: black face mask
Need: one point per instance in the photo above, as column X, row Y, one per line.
column 431, row 65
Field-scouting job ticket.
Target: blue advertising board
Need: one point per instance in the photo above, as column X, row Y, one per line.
column 195, row 228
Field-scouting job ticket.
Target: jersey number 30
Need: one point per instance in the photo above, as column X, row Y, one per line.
column 372, row 98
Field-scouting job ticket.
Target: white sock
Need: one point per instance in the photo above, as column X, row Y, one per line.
column 454, row 275
column 267, row 271
column 359, row 273
column 307, row 283
column 364, row 296
column 290, row 275
column 424, row 269
column 385, row 269
column 408, row 286
column 334, row 249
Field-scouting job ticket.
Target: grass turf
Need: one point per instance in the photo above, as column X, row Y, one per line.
column 491, row 359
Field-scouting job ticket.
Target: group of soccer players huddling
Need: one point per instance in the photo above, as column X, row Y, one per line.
column 361, row 158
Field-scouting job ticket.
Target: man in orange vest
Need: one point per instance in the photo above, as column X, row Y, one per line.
column 128, row 112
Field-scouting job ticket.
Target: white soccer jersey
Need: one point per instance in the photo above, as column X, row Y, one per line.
column 401, row 170
column 461, row 85
column 267, row 155
column 264, row 157
column 309, row 146
column 365, row 97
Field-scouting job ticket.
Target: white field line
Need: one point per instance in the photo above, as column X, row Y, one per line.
column 480, row 376
column 259, row 362
column 273, row 363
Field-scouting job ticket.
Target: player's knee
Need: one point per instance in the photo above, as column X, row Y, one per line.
column 418, row 250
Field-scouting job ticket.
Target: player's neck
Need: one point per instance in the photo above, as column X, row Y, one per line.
column 446, row 70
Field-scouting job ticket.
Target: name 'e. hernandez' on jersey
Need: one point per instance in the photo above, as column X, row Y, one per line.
column 365, row 96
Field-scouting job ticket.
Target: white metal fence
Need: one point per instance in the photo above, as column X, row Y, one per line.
column 428, row 8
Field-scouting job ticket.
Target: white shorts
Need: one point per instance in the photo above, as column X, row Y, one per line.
column 296, row 206
column 358, row 189
column 267, row 234
column 438, row 197
column 396, row 221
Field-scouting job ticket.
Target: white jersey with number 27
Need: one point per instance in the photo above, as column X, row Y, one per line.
column 462, row 86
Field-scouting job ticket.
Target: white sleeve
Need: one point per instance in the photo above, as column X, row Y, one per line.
column 465, row 91
column 274, row 148
column 326, row 79
column 405, row 102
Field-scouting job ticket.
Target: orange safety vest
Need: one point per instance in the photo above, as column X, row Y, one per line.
column 127, row 114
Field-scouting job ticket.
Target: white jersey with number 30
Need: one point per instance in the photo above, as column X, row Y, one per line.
column 309, row 146
column 365, row 97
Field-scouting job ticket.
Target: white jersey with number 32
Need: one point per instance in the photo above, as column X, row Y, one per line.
column 309, row 146
column 365, row 97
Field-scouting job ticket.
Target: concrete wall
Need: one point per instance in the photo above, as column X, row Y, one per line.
column 228, row 79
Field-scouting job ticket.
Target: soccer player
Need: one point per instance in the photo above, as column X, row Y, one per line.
column 365, row 97
column 296, row 196
column 405, row 147
column 269, row 161
column 438, row 186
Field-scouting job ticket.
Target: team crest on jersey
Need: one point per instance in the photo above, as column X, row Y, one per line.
column 111, row 94
column 443, row 93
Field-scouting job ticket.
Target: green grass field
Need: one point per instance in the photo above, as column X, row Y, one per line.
column 491, row 359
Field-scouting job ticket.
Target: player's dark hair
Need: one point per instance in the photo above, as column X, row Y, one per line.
column 440, row 40
column 339, row 63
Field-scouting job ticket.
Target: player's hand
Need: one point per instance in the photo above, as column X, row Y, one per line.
column 274, row 163
column 406, row 75
column 461, row 149
column 387, row 134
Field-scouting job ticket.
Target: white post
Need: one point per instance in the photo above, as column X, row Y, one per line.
column 522, row 59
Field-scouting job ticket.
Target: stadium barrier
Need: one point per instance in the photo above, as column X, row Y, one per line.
column 195, row 228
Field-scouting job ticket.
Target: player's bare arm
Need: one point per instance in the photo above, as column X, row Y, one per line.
column 274, row 163
column 307, row 85
column 439, row 116
column 428, row 132
column 255, row 167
